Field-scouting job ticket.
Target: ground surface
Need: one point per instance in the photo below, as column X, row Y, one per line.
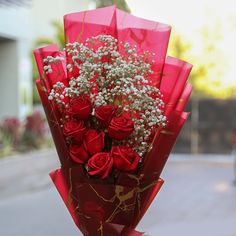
column 197, row 199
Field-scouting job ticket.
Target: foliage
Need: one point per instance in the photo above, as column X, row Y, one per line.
column 35, row 131
column 10, row 135
column 17, row 136
column 207, row 73
column 57, row 39
column 121, row 4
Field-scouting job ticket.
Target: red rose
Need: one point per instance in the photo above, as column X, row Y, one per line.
column 78, row 153
column 80, row 108
column 120, row 127
column 74, row 130
column 100, row 164
column 94, row 141
column 105, row 114
column 125, row 158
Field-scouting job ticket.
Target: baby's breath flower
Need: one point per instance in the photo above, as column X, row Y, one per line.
column 112, row 76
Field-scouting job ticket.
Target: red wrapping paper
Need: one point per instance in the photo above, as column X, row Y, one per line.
column 53, row 121
column 184, row 98
column 145, row 34
column 170, row 75
column 162, row 145
column 95, row 204
column 58, row 69
column 177, row 80
column 116, row 205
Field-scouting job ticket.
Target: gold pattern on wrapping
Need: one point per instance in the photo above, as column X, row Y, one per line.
column 60, row 68
column 181, row 100
column 160, row 73
column 121, row 197
column 49, row 108
column 44, row 77
column 150, row 148
column 82, row 28
column 58, row 71
column 119, row 194
column 41, row 87
column 124, row 197
column 169, row 104
column 101, row 228
column 167, row 74
column 163, row 131
column 69, row 199
column 154, row 139
column 141, row 190
column 167, row 132
column 54, row 122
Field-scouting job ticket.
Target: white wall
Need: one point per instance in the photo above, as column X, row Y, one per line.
column 9, row 92
column 15, row 22
column 15, row 63
column 45, row 11
column 21, row 26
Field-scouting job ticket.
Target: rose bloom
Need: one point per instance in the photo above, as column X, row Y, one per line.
column 80, row 108
column 94, row 141
column 125, row 158
column 74, row 130
column 100, row 164
column 78, row 153
column 104, row 114
column 120, row 127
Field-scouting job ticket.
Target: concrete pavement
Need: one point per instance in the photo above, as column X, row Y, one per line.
column 198, row 198
column 26, row 172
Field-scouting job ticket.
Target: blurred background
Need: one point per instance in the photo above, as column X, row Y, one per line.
column 199, row 197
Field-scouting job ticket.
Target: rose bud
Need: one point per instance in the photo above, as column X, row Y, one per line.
column 124, row 158
column 120, row 127
column 100, row 164
column 104, row 114
column 94, row 141
column 78, row 153
column 74, row 130
column 80, row 108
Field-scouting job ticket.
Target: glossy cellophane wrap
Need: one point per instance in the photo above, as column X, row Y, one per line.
column 115, row 206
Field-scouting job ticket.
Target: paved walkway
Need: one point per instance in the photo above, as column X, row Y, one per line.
column 198, row 199
column 26, row 173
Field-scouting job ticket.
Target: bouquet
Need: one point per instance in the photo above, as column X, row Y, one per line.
column 115, row 106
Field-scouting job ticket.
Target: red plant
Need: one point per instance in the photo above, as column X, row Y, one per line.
column 35, row 124
column 11, row 128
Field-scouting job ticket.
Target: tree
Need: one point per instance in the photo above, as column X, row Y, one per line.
column 208, row 61
column 121, row 4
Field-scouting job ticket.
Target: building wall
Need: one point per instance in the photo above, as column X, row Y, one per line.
column 9, row 92
column 19, row 28
column 15, row 66
column 45, row 11
column 209, row 128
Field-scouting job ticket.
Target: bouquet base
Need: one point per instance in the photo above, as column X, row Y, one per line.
column 100, row 209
